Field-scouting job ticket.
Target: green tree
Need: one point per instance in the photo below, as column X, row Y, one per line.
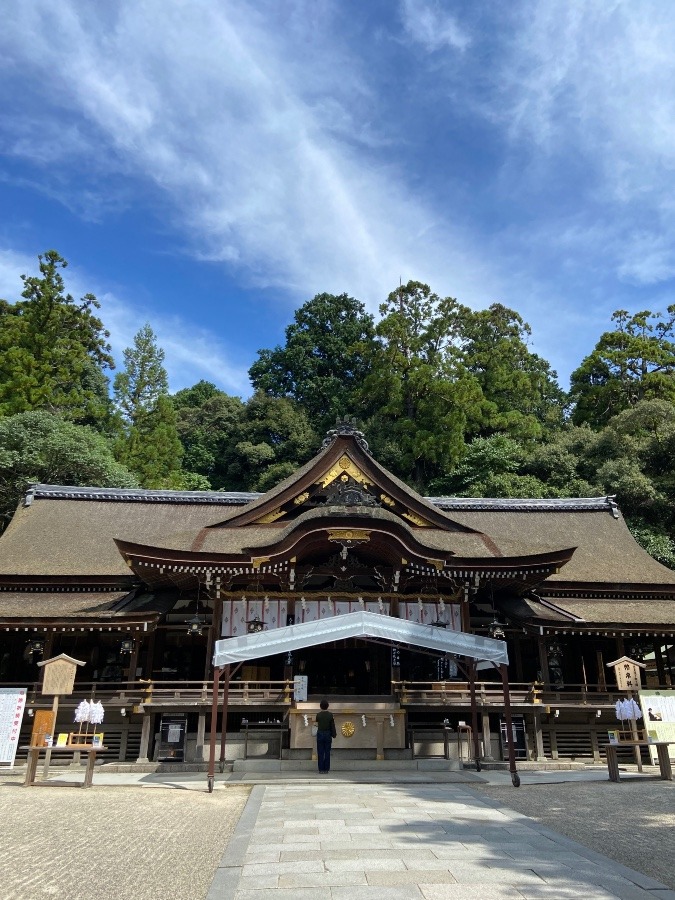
column 149, row 444
column 144, row 378
column 491, row 467
column 274, row 439
column 53, row 349
column 322, row 362
column 521, row 396
column 42, row 447
column 419, row 396
column 634, row 362
column 209, row 425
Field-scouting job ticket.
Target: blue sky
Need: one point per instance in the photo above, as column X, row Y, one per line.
column 209, row 166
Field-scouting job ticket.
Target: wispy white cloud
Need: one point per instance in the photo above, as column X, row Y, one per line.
column 432, row 26
column 192, row 353
column 594, row 84
column 260, row 147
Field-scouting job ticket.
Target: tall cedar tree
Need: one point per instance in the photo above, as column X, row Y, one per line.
column 521, row 394
column 53, row 350
column 420, row 396
column 634, row 362
column 322, row 362
column 149, row 445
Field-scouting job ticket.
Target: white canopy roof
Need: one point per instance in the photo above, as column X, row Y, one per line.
column 357, row 625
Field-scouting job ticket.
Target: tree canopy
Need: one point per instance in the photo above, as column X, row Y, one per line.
column 43, row 447
column 53, row 349
column 634, row 362
column 322, row 362
column 418, row 395
column 149, row 444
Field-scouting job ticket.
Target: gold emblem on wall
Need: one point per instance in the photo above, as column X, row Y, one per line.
column 350, row 534
column 347, row 729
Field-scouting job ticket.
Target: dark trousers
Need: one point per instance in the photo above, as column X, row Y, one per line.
column 324, row 739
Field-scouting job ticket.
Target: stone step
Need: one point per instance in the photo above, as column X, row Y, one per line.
column 347, row 765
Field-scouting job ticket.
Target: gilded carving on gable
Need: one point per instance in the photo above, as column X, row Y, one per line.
column 344, row 465
column 416, row 520
column 269, row 517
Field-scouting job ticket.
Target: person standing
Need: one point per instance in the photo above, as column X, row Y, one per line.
column 326, row 731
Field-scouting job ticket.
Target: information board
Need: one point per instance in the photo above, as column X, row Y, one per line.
column 300, row 688
column 658, row 711
column 12, row 705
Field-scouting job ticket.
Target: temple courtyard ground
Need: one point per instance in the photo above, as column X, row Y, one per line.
column 162, row 837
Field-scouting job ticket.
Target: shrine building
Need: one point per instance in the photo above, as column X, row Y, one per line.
column 140, row 585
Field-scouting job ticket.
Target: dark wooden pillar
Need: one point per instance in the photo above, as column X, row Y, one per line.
column 474, row 712
column 515, row 777
column 660, row 668
column 214, row 724
column 543, row 662
column 223, row 727
column 518, row 657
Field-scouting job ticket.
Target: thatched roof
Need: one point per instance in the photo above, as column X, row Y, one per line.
column 624, row 612
column 70, row 531
column 59, row 604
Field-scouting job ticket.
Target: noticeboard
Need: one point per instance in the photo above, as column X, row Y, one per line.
column 517, row 736
column 12, row 705
column 172, row 734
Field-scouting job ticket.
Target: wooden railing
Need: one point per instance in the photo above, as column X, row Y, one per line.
column 489, row 693
column 160, row 694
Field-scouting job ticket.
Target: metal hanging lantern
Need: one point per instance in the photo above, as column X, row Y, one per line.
column 35, row 647
column 195, row 625
column 255, row 625
column 496, row 631
column 127, row 647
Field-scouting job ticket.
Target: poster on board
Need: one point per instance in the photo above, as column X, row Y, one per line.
column 12, row 705
column 658, row 711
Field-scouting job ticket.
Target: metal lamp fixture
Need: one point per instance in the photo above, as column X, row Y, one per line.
column 195, row 625
column 127, row 647
column 36, row 647
column 255, row 625
column 496, row 630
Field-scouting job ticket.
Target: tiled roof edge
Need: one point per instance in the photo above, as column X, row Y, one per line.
column 566, row 504
column 240, row 498
column 136, row 495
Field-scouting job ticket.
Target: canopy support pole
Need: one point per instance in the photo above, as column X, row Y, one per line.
column 223, row 729
column 515, row 777
column 212, row 735
column 474, row 713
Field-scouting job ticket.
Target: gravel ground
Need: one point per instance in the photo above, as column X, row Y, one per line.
column 632, row 822
column 113, row 843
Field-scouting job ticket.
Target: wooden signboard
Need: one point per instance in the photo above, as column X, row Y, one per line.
column 627, row 673
column 43, row 724
column 59, row 674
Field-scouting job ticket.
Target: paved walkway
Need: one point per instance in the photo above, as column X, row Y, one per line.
column 328, row 839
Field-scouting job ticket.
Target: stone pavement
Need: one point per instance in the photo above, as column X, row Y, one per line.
column 330, row 839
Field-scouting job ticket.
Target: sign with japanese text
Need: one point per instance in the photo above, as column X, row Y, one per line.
column 59, row 677
column 627, row 673
column 12, row 705
column 300, row 688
